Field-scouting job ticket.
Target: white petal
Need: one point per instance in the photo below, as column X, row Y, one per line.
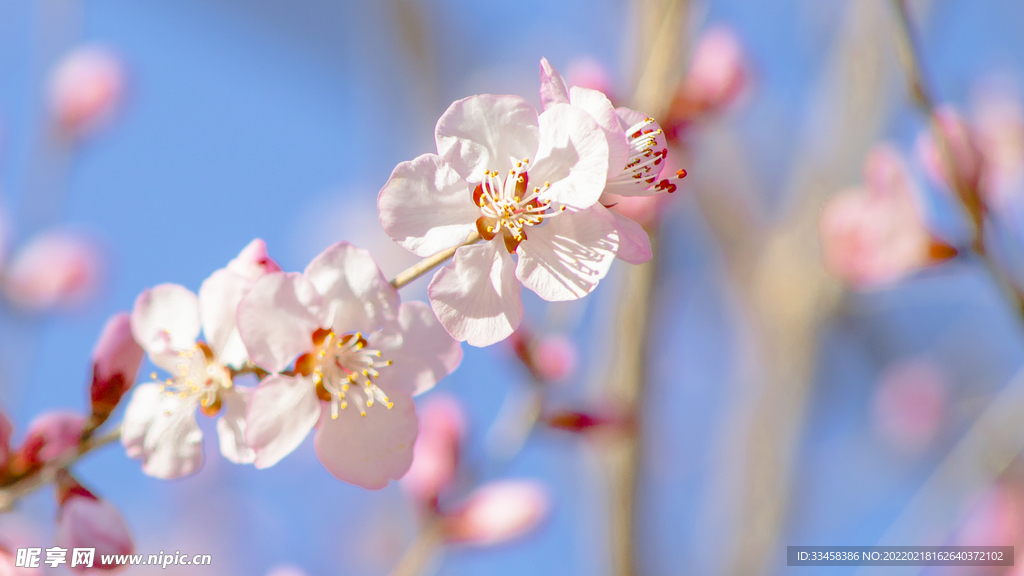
column 165, row 320
column 487, row 132
column 282, row 411
column 477, row 297
column 634, row 244
column 173, row 443
column 552, row 86
column 219, row 297
column 572, row 156
column 231, row 426
column 566, row 257
column 421, row 349
column 277, row 319
column 601, row 110
column 356, row 295
column 370, row 450
column 426, row 206
column 138, row 417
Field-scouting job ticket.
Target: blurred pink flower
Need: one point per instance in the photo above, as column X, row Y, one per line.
column 909, row 404
column 85, row 521
column 875, row 235
column 56, row 268
column 555, row 357
column 86, row 88
column 587, row 72
column 436, row 455
column 6, row 430
column 999, row 130
column 718, row 70
column 963, row 147
column 996, row 520
column 499, row 512
column 49, row 435
column 116, row 359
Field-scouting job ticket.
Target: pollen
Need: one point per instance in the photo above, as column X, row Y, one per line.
column 339, row 362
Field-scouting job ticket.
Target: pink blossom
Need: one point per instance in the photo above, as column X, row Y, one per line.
column 6, row 430
column 963, row 148
column 49, row 435
column 587, row 72
column 529, row 184
column 718, row 71
column 555, row 357
column 344, row 326
column 85, row 521
column 910, row 404
column 86, row 88
column 499, row 512
column 436, row 455
column 999, row 133
column 636, row 155
column 159, row 424
column 875, row 235
column 56, row 268
column 994, row 521
column 116, row 359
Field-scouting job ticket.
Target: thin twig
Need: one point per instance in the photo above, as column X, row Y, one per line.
column 430, row 262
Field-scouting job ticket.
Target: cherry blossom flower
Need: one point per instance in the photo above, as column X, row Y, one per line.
column 529, row 185
column 636, row 155
column 49, row 435
column 159, row 424
column 498, row 512
column 86, row 88
column 352, row 343
column 910, row 404
column 436, row 455
column 963, row 147
column 116, row 360
column 56, row 268
column 86, row 521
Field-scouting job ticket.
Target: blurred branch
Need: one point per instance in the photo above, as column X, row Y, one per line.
column 418, row 555
column 9, row 495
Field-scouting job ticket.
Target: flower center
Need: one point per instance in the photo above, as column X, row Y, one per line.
column 645, row 157
column 339, row 362
column 508, row 206
column 199, row 376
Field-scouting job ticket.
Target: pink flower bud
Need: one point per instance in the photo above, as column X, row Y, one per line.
column 499, row 512
column 717, row 71
column 590, row 421
column 56, row 268
column 85, row 521
column 910, row 404
column 554, row 358
column 963, row 149
column 254, row 261
column 86, row 88
column 6, row 430
column 436, row 454
column 589, row 73
column 50, row 435
column 116, row 359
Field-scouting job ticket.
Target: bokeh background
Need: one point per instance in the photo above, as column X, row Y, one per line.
column 282, row 120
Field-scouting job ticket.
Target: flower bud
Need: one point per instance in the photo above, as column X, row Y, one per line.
column 498, row 512
column 590, row 421
column 717, row 71
column 116, row 359
column 49, row 435
column 6, row 430
column 963, row 151
column 436, row 454
column 86, row 88
column 554, row 358
column 85, row 521
column 910, row 404
column 253, row 261
column 56, row 268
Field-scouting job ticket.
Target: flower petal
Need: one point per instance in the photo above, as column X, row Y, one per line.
column 138, row 417
column 173, row 444
column 602, row 111
column 572, row 156
column 356, row 295
column 277, row 318
column 253, row 261
column 231, row 426
column 634, row 244
column 165, row 320
column 476, row 297
column 487, row 132
column 369, row 451
column 552, row 86
column 565, row 258
column 426, row 206
column 282, row 411
column 219, row 296
column 422, row 351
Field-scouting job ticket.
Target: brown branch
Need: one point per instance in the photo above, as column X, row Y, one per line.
column 430, row 262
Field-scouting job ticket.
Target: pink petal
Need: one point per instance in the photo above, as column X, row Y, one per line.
column 172, row 446
column 231, row 426
column 436, row 454
column 487, row 132
column 282, row 411
column 499, row 512
column 554, row 357
column 51, row 434
column 356, row 295
column 426, row 206
column 566, row 257
column 602, row 111
column 56, row 268
column 572, row 156
column 219, row 297
column 634, row 244
column 165, row 320
column 422, row 350
column 552, row 87
column 116, row 359
column 477, row 297
column 277, row 318
column 92, row 523
column 138, row 417
column 254, row 261
column 6, row 430
column 370, row 450
column 86, row 88
column 717, row 71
